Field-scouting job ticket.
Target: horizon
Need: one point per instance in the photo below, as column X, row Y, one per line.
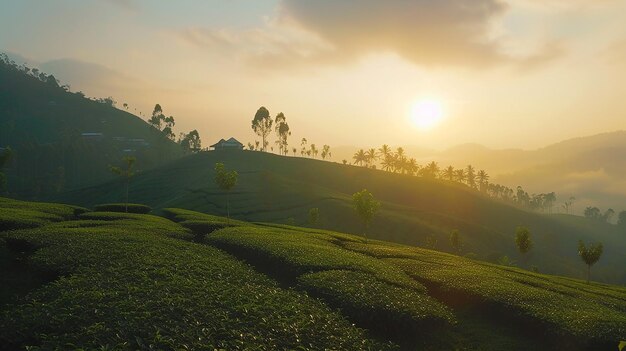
column 212, row 64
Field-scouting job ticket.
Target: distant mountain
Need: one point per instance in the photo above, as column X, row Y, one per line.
column 590, row 168
column 62, row 140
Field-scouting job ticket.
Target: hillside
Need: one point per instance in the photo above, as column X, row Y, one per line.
column 122, row 281
column 415, row 211
column 62, row 140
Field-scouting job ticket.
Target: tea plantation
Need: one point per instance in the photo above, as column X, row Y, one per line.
column 75, row 279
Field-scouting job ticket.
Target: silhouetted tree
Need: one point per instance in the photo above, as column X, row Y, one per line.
column 366, row 207
column 262, row 125
column 326, row 152
column 590, row 255
column 359, row 157
column 314, row 216
column 282, row 132
column 448, row 173
column 470, row 176
column 567, row 205
column 126, row 174
column 592, row 213
column 313, row 150
column 294, row 150
column 524, row 242
column 455, row 241
column 483, row 180
column 621, row 219
column 225, row 180
column 191, row 141
column 608, row 215
column 5, row 157
column 303, row 145
column 161, row 123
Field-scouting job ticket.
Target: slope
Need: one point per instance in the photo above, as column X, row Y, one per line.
column 121, row 281
column 44, row 123
column 415, row 211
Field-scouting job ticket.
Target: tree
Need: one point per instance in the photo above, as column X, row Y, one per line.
column 313, row 150
column 282, row 132
column 225, row 180
column 448, row 173
column 5, row 157
column 294, row 150
column 608, row 215
column 567, row 205
column 303, row 147
column 470, row 176
column 126, row 174
column 370, row 156
column 483, row 180
column 455, row 241
column 326, row 152
column 523, row 241
column 366, row 207
column 161, row 123
column 360, row 157
column 590, row 255
column 621, row 219
column 592, row 213
column 384, row 151
column 262, row 125
column 191, row 141
column 314, row 216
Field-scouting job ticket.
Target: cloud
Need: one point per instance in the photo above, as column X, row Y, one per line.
column 423, row 32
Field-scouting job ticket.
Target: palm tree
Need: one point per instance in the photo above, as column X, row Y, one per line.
column 448, row 173
column 388, row 162
column 412, row 166
column 431, row 170
column 400, row 152
column 483, row 180
column 359, row 157
column 459, row 175
column 384, row 151
column 470, row 176
column 370, row 156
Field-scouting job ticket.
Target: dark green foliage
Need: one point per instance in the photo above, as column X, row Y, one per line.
column 127, row 286
column 123, row 207
column 594, row 314
column 273, row 188
column 455, row 242
column 365, row 206
column 314, row 216
column 15, row 214
column 389, row 309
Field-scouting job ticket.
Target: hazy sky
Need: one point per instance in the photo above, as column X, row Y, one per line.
column 505, row 73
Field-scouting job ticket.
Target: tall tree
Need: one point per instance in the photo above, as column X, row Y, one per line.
column 282, row 132
column 567, row 205
column 191, row 142
column 366, row 207
column 326, row 152
column 5, row 158
column 360, row 157
column 470, row 176
column 384, row 151
column 262, row 125
column 303, row 145
column 225, row 180
column 370, row 156
column 483, row 180
column 313, row 150
column 448, row 173
column 621, row 219
column 524, row 242
column 126, row 174
column 590, row 255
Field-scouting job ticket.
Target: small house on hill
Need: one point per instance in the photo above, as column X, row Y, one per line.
column 230, row 144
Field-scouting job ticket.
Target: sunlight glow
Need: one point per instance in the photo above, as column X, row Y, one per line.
column 426, row 114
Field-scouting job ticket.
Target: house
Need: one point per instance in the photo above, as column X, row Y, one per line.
column 230, row 144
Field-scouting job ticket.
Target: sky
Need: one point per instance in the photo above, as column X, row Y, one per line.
column 426, row 73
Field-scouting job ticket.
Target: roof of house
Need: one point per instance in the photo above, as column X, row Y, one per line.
column 231, row 141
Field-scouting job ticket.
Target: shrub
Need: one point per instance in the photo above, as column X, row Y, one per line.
column 132, row 208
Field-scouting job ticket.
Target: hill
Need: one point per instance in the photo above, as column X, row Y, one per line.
column 415, row 211
column 62, row 140
column 133, row 281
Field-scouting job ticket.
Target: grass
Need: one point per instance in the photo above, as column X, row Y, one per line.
column 15, row 214
column 568, row 307
column 133, row 281
column 275, row 189
column 124, row 286
column 123, row 207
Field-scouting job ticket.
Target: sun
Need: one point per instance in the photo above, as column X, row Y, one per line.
column 426, row 114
